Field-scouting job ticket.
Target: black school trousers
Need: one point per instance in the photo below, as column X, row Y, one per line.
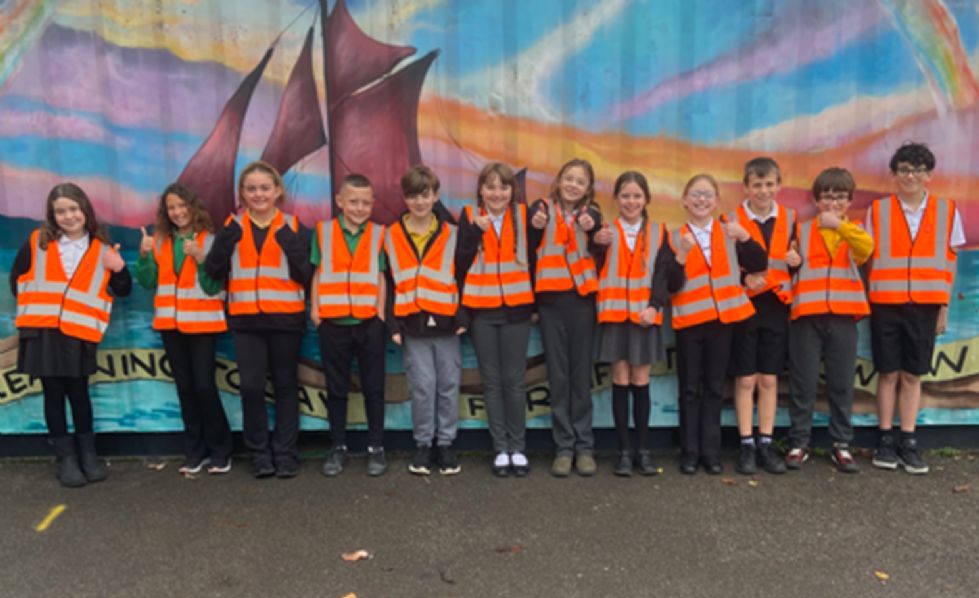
column 702, row 353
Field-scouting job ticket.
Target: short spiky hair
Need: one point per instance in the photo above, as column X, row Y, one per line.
column 419, row 179
column 915, row 154
column 761, row 167
column 355, row 180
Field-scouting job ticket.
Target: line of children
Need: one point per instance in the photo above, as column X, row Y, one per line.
column 727, row 279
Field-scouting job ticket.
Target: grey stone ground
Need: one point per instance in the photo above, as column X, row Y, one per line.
column 814, row 533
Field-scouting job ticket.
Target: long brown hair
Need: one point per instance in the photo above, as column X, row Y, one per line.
column 50, row 230
column 199, row 218
column 263, row 166
column 588, row 200
column 507, row 179
column 633, row 176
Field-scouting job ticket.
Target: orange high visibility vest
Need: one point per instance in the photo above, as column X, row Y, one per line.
column 180, row 302
column 826, row 284
column 563, row 261
column 47, row 298
column 711, row 292
column 347, row 284
column 426, row 284
column 260, row 283
column 906, row 270
column 777, row 276
column 625, row 282
column 499, row 274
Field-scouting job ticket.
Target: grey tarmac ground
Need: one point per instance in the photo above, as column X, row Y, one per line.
column 816, row 532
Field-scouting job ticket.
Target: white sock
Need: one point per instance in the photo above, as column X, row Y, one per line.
column 519, row 459
column 502, row 460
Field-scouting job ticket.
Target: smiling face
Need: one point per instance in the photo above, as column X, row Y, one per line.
column 574, row 184
column 260, row 193
column 69, row 217
column 356, row 204
column 179, row 213
column 835, row 201
column 700, row 201
column 632, row 200
column 495, row 195
column 910, row 180
column 761, row 192
column 420, row 204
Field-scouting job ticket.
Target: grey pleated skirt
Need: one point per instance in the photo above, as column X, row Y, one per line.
column 627, row 341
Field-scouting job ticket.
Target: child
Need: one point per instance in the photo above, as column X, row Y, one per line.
column 189, row 318
column 492, row 258
column 565, row 282
column 761, row 341
column 916, row 236
column 264, row 254
column 827, row 300
column 632, row 289
column 347, row 307
column 425, row 319
column 705, row 307
column 61, row 278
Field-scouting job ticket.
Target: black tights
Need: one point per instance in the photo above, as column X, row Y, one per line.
column 56, row 388
column 640, row 413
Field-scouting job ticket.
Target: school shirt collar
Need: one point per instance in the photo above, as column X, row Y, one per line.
column 760, row 218
column 80, row 243
column 907, row 209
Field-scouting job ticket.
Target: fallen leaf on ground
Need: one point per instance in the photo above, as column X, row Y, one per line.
column 156, row 465
column 753, row 483
column 505, row 549
column 881, row 575
column 357, row 555
column 729, row 481
column 961, row 488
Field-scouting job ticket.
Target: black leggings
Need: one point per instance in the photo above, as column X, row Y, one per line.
column 56, row 388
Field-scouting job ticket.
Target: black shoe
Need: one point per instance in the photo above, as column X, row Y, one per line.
column 520, row 464
column 501, row 465
column 377, row 463
column 69, row 472
column 92, row 467
column 713, row 466
column 770, row 460
column 747, row 457
column 448, row 462
column 421, row 463
column 645, row 464
column 334, row 461
column 287, row 469
column 885, row 457
column 623, row 467
column 688, row 464
column 912, row 462
column 262, row 468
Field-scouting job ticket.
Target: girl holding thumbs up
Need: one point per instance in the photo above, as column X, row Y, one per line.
column 189, row 314
column 64, row 278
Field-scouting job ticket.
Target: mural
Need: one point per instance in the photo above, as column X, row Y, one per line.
column 126, row 96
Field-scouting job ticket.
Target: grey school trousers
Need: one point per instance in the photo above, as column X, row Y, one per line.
column 432, row 367
column 501, row 348
column 567, row 327
column 829, row 340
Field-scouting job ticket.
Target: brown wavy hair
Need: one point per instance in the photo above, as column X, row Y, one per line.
column 50, row 230
column 588, row 200
column 199, row 218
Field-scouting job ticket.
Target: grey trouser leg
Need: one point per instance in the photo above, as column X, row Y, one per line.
column 448, row 370
column 501, row 349
column 840, row 357
column 567, row 329
column 419, row 364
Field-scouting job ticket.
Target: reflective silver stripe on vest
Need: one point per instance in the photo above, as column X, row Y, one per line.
column 279, row 271
column 549, row 247
column 612, row 279
column 193, row 293
column 329, row 276
column 807, row 273
column 480, row 266
column 404, row 272
column 732, row 278
column 886, row 261
column 39, row 284
column 90, row 296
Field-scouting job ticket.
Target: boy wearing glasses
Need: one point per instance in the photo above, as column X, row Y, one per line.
column 916, row 236
column 760, row 342
column 827, row 300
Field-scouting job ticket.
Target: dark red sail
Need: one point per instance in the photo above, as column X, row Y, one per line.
column 375, row 132
column 298, row 129
column 211, row 171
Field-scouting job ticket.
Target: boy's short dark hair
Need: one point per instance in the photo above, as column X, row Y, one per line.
column 833, row 179
column 761, row 167
column 419, row 179
column 356, row 180
column 915, row 154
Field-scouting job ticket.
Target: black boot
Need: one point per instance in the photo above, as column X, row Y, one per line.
column 94, row 468
column 68, row 472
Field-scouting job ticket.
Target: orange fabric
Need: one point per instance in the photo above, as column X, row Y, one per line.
column 777, row 276
column 180, row 303
column 499, row 276
column 348, row 284
column 563, row 262
column 625, row 282
column 260, row 283
column 826, row 284
column 427, row 284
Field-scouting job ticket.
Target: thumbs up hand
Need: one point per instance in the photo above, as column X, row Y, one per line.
column 146, row 243
column 792, row 257
column 604, row 235
column 585, row 221
column 192, row 249
column 539, row 221
column 483, row 221
column 735, row 231
column 112, row 260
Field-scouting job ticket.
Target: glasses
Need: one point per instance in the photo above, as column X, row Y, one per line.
column 906, row 170
column 701, row 195
column 841, row 197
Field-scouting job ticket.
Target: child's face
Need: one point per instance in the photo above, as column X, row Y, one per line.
column 910, row 180
column 420, row 204
column 574, row 184
column 178, row 212
column 835, row 201
column 355, row 203
column 631, row 202
column 260, row 193
column 69, row 217
column 496, row 196
column 761, row 191
column 700, row 200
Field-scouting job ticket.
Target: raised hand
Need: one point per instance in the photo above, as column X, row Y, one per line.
column 192, row 249
column 604, row 235
column 483, row 222
column 541, row 216
column 735, row 231
column 146, row 243
column 792, row 257
column 585, row 221
column 829, row 220
column 687, row 243
column 112, row 260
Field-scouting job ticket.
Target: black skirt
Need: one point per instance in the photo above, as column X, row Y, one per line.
column 47, row 352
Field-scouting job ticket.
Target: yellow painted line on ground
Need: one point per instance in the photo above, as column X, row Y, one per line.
column 49, row 519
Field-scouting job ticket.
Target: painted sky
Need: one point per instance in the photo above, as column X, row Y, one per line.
column 118, row 94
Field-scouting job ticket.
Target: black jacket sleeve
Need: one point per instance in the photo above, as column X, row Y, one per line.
column 668, row 276
column 468, row 245
column 121, row 283
column 751, row 256
column 534, row 235
column 390, row 321
column 295, row 244
column 22, row 263
column 218, row 262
